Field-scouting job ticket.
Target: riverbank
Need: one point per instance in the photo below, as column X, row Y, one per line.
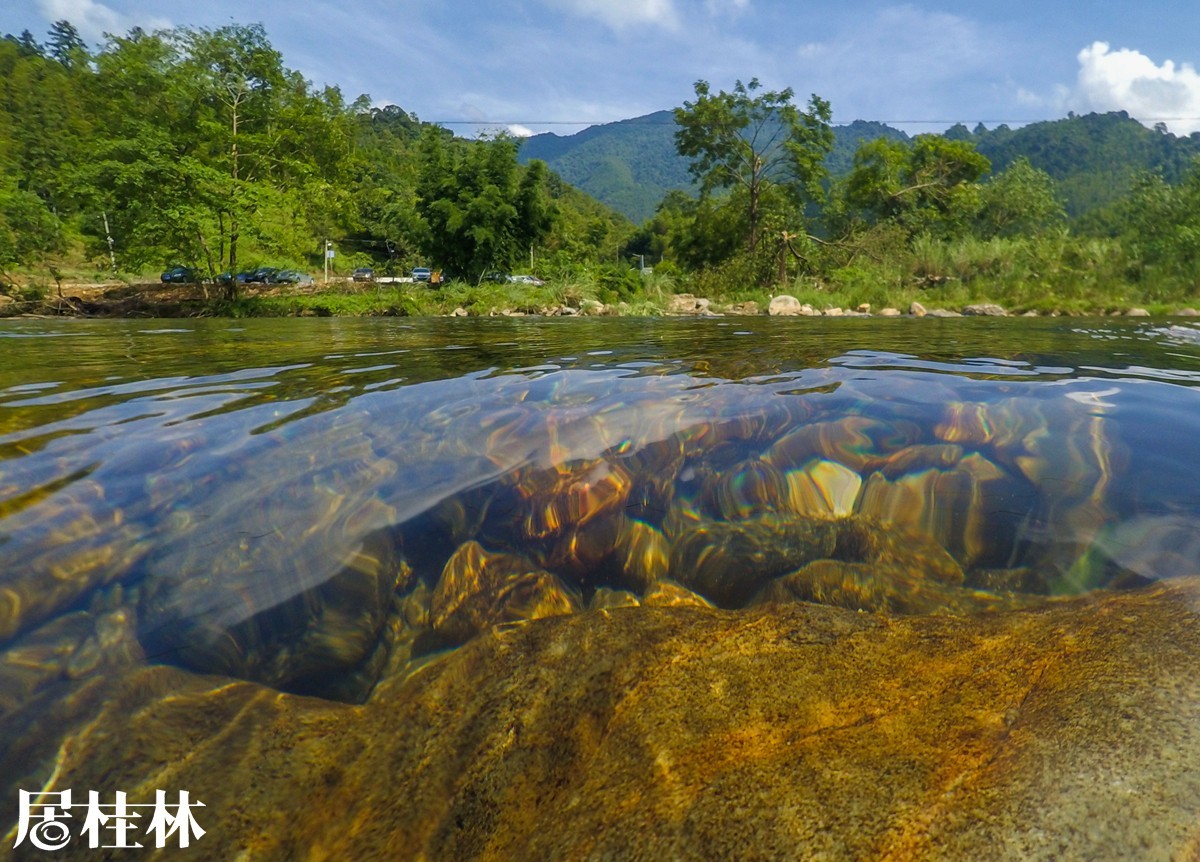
column 350, row 299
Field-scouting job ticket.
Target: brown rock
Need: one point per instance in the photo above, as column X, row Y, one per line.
column 685, row 303
column 799, row 731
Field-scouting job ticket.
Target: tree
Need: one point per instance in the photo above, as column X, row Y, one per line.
column 1162, row 231
column 239, row 74
column 1019, row 200
column 66, row 45
column 28, row 230
column 928, row 186
column 754, row 142
column 478, row 210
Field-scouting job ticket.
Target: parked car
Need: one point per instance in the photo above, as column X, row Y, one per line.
column 262, row 275
column 422, row 273
column 180, row 275
column 291, row 276
column 363, row 273
column 497, row 277
column 525, row 279
column 228, row 277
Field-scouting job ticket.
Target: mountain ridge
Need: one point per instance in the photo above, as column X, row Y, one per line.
column 630, row 165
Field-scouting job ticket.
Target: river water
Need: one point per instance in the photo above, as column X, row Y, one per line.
column 317, row 505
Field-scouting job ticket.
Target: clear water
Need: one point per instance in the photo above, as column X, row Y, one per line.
column 266, row 499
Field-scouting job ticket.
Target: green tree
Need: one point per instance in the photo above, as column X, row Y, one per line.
column 1162, row 232
column 1019, row 200
column 928, row 186
column 478, row 209
column 28, row 230
column 66, row 45
column 754, row 142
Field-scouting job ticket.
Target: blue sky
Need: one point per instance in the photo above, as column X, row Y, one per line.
column 558, row 65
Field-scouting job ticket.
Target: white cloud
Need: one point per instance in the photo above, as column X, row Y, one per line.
column 624, row 14
column 93, row 19
column 519, row 131
column 1126, row 80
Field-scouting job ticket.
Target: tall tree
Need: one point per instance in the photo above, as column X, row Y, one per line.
column 240, row 75
column 754, row 141
column 928, row 186
column 66, row 45
column 479, row 210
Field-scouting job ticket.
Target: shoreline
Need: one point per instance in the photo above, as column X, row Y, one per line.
column 174, row 301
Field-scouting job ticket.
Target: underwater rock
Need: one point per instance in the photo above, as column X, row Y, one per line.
column 823, row 489
column 746, row 489
column 570, row 495
column 642, row 554
column 481, row 588
column 668, row 594
column 856, row 442
column 727, row 562
column 283, row 636
column 605, row 599
column 792, row 731
column 882, row 588
column 969, row 508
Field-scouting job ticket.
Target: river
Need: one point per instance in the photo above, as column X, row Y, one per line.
column 318, row 506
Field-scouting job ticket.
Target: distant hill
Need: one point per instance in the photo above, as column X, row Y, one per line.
column 631, row 164
column 1093, row 158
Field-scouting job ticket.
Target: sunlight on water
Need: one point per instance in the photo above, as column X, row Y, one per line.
column 237, row 483
column 199, row 522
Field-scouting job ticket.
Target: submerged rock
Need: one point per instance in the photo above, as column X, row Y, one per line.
column 481, row 588
column 798, row 731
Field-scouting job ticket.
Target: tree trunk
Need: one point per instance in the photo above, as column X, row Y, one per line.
column 231, row 288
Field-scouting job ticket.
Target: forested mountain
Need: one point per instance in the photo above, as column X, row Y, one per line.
column 631, row 165
column 1093, row 158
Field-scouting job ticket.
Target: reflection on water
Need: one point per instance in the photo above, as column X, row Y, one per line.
column 316, row 504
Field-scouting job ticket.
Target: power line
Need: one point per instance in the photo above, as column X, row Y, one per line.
column 906, row 122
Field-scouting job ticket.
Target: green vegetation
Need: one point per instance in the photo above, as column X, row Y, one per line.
column 200, row 148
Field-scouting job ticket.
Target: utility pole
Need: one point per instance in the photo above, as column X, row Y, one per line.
column 112, row 255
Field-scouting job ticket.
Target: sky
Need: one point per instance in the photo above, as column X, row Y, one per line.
column 561, row 65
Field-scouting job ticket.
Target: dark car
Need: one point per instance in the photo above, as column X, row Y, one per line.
column 291, row 276
column 262, row 275
column 422, row 273
column 228, row 277
column 363, row 273
column 180, row 275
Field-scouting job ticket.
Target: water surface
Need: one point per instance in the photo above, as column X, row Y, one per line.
column 315, row 504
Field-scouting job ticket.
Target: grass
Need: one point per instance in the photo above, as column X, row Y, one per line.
column 1051, row 273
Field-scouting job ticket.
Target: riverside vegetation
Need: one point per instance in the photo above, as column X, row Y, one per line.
column 200, row 147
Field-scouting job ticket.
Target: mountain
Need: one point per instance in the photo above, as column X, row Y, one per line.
column 631, row 164
column 1094, row 158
